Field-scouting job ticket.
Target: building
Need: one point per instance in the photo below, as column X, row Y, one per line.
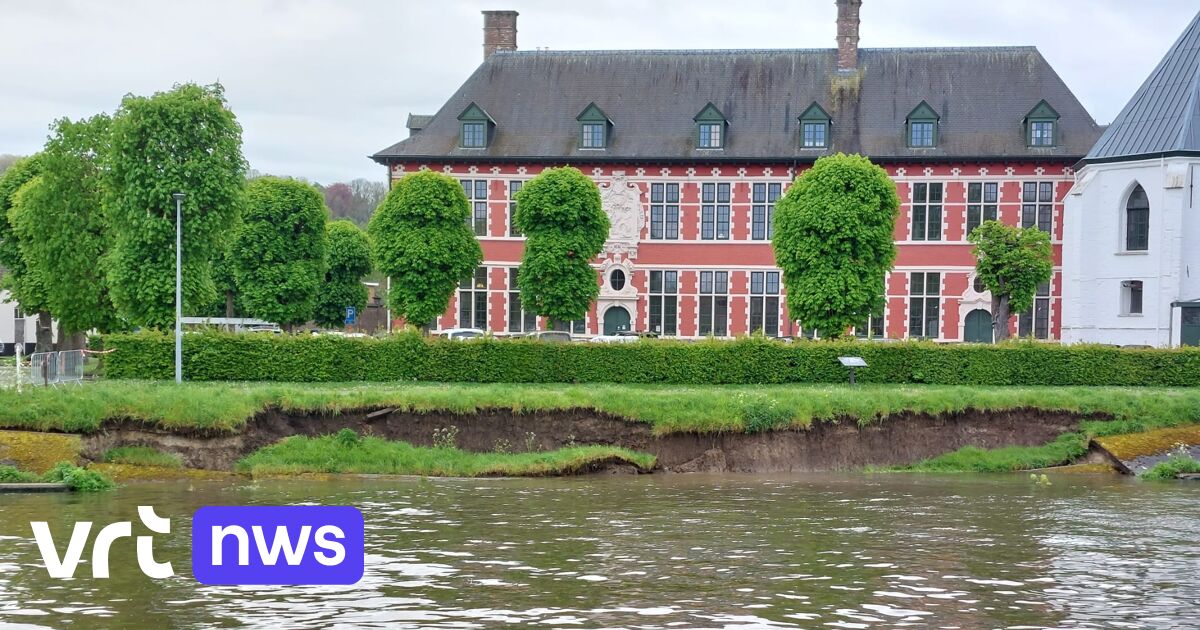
column 15, row 327
column 1133, row 235
column 691, row 149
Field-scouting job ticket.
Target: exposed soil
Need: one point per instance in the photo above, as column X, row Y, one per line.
column 900, row 439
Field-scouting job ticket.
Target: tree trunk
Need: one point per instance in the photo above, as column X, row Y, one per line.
column 1000, row 316
column 74, row 341
column 229, row 304
column 44, row 332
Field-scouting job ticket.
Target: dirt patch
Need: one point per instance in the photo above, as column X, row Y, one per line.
column 900, row 439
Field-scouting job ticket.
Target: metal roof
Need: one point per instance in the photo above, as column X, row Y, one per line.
column 1164, row 114
column 981, row 94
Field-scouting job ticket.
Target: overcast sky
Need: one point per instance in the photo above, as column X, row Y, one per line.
column 320, row 84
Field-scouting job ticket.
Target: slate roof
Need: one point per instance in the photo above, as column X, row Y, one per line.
column 981, row 95
column 1164, row 114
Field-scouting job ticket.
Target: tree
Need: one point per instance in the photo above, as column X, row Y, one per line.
column 833, row 240
column 349, row 261
column 420, row 238
column 185, row 140
column 565, row 227
column 278, row 252
column 61, row 231
column 340, row 199
column 7, row 160
column 25, row 288
column 1011, row 262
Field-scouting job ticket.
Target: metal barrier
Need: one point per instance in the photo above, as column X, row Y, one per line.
column 55, row 368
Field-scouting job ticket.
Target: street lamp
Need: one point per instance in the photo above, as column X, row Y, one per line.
column 178, row 286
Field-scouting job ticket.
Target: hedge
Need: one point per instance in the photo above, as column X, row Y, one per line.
column 264, row 357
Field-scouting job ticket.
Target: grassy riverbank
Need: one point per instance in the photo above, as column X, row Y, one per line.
column 369, row 455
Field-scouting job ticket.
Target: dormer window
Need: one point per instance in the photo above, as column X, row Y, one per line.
column 922, row 126
column 814, row 128
column 594, row 127
column 1041, row 126
column 710, row 128
column 477, row 128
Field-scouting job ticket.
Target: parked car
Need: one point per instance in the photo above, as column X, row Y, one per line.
column 551, row 336
column 462, row 334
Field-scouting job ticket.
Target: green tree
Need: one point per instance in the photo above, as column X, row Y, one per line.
column 420, row 238
column 349, row 261
column 61, row 231
column 559, row 213
column 26, row 288
column 1011, row 262
column 185, row 140
column 278, row 252
column 833, row 240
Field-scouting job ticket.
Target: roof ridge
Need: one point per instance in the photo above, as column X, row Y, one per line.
column 727, row 51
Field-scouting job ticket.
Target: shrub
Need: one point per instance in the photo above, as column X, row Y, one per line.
column 9, row 474
column 1177, row 464
column 216, row 356
column 79, row 479
column 763, row 414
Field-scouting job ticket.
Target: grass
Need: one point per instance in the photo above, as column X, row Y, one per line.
column 368, row 455
column 141, row 456
column 79, row 479
column 1176, row 465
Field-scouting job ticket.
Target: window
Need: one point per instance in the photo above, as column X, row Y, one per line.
column 714, row 303
column 513, row 187
column 474, row 135
column 593, row 136
column 710, row 135
column 815, row 134
column 575, row 326
column 921, row 134
column 924, row 304
column 714, row 212
column 1037, row 205
column 1035, row 322
column 1041, row 133
column 472, row 300
column 664, row 303
column 519, row 319
column 764, row 302
column 762, row 212
column 616, row 280
column 871, row 327
column 664, row 211
column 1137, row 221
column 927, row 212
column 978, row 285
column 477, row 191
column 981, row 204
column 1131, row 297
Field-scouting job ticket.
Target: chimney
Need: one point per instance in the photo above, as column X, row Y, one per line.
column 499, row 31
column 847, row 35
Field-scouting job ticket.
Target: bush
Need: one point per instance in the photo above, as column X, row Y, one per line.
column 1178, row 464
column 9, row 474
column 79, row 479
column 213, row 356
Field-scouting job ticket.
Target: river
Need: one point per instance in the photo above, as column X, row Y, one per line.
column 659, row 551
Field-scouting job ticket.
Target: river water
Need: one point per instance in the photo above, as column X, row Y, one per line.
column 660, row 551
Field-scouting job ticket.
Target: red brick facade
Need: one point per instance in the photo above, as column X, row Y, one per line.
column 741, row 256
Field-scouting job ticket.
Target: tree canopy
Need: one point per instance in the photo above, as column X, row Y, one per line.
column 26, row 289
column 349, row 261
column 60, row 227
column 183, row 140
column 1011, row 262
column 421, row 239
column 278, row 251
column 565, row 227
column 833, row 240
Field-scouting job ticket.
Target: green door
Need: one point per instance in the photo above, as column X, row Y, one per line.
column 616, row 319
column 1189, row 329
column 978, row 327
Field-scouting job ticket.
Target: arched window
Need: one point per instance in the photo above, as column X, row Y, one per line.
column 616, row 280
column 1137, row 221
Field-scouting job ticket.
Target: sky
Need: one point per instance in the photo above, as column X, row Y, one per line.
column 318, row 85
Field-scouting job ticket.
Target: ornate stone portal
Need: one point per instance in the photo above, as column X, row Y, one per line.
column 622, row 202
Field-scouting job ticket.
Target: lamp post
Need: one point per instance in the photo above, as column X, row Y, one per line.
column 178, row 286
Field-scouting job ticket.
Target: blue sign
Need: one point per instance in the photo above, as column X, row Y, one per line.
column 266, row 544
column 351, row 315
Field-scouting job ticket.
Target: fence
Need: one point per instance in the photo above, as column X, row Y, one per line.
column 56, row 368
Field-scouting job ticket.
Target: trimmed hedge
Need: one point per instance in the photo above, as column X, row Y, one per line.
column 264, row 357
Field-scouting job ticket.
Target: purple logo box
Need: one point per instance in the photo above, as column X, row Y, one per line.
column 260, row 544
